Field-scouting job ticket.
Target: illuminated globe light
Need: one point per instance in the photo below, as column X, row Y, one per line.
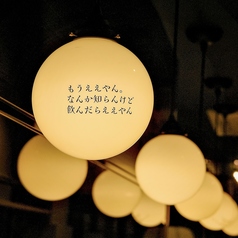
column 170, row 168
column 232, row 228
column 149, row 213
column 113, row 195
column 47, row 173
column 205, row 201
column 224, row 215
column 92, row 98
column 235, row 175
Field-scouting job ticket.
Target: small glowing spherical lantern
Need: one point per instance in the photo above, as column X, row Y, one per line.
column 170, row 168
column 149, row 213
column 92, row 98
column 205, row 202
column 232, row 228
column 113, row 195
column 47, row 173
column 224, row 215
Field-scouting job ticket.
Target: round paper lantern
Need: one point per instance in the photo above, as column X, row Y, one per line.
column 232, row 228
column 113, row 195
column 149, row 213
column 47, row 173
column 170, row 168
column 205, row 202
column 224, row 215
column 92, row 98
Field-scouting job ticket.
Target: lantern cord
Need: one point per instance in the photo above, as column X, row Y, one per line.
column 175, row 63
column 105, row 167
column 203, row 45
column 20, row 122
column 37, row 131
column 131, row 174
column 15, row 107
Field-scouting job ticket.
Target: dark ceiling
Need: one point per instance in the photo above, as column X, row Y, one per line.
column 31, row 30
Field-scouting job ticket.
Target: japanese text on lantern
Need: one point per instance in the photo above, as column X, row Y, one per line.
column 98, row 99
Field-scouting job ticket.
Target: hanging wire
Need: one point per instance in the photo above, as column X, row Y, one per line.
column 171, row 126
column 20, row 122
column 105, row 167
column 15, row 107
column 175, row 61
column 37, row 131
column 203, row 46
column 16, row 120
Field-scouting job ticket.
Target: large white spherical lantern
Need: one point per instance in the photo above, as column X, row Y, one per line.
column 149, row 213
column 113, row 195
column 205, row 201
column 92, row 98
column 170, row 168
column 47, row 173
column 232, row 228
column 224, row 215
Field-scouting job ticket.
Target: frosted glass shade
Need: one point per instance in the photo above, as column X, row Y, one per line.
column 224, row 215
column 170, row 168
column 113, row 195
column 47, row 173
column 205, row 202
column 232, row 228
column 92, row 98
column 149, row 213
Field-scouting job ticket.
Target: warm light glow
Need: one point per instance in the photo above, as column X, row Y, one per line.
column 92, row 98
column 149, row 213
column 224, row 215
column 205, row 202
column 235, row 175
column 170, row 168
column 232, row 228
column 47, row 173
column 113, row 195
column 235, row 162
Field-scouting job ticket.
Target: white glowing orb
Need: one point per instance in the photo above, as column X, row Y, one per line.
column 232, row 228
column 47, row 173
column 113, row 195
column 170, row 168
column 223, row 216
column 149, row 213
column 92, row 98
column 205, row 202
